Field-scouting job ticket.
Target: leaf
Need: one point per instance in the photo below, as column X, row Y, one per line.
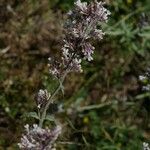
column 146, row 35
column 50, row 118
column 32, row 115
column 85, row 141
column 115, row 33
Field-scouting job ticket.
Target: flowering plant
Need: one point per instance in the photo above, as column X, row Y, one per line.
column 82, row 26
column 146, row 80
column 146, row 146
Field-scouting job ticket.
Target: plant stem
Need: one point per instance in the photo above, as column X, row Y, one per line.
column 50, row 100
column 62, row 80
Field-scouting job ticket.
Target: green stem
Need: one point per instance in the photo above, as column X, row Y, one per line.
column 43, row 116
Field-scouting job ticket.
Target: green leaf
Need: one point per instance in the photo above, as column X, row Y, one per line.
column 50, row 118
column 32, row 115
column 85, row 141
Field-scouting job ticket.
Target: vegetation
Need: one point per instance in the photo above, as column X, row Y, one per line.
column 104, row 108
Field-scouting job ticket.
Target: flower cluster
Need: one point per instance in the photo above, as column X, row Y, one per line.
column 146, row 146
column 42, row 98
column 83, row 25
column 146, row 80
column 37, row 138
column 144, row 20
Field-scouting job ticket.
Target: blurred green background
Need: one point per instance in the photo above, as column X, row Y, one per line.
column 104, row 108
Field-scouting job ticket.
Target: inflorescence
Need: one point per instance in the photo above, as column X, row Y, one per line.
column 146, row 146
column 37, row 138
column 83, row 24
column 146, row 80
